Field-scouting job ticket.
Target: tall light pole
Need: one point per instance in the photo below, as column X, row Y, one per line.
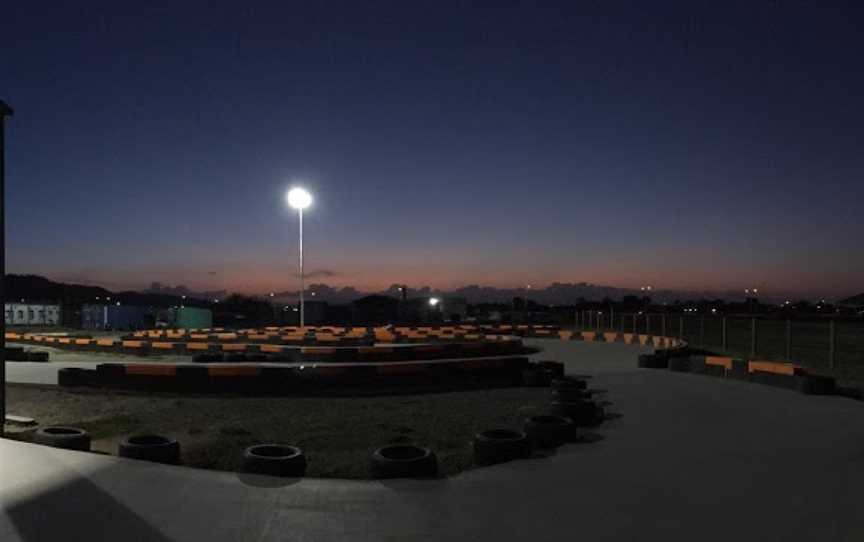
column 299, row 199
column 5, row 111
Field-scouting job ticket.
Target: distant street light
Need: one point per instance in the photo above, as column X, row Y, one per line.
column 433, row 301
column 299, row 199
column 645, row 291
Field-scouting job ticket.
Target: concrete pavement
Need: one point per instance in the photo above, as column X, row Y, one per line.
column 692, row 457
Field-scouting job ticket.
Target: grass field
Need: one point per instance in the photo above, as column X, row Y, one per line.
column 337, row 434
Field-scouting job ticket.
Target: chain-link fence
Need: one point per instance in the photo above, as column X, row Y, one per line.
column 825, row 346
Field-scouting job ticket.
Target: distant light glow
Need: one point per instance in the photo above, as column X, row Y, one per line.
column 433, row 301
column 299, row 198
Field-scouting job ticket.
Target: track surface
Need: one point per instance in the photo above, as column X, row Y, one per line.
column 692, row 458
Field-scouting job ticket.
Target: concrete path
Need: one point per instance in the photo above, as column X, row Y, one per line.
column 691, row 458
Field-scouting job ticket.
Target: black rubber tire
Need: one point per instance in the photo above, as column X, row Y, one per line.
column 679, row 364
column 548, row 431
column 36, row 356
column 69, row 438
column 555, row 369
column 652, row 361
column 156, row 448
column 569, row 383
column 581, row 412
column 535, row 377
column 403, row 461
column 740, row 369
column 207, row 358
column 816, row 385
column 274, row 460
column 500, row 445
column 15, row 353
column 70, row 377
column 598, row 415
column 567, row 395
column 236, row 357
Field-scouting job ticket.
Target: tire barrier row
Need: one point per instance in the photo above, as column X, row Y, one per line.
column 570, row 409
column 286, row 353
column 772, row 373
column 17, row 353
column 314, row 335
column 490, row 447
column 198, row 378
column 270, row 334
column 146, row 447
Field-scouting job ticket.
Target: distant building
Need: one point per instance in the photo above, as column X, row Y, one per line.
column 454, row 309
column 314, row 313
column 32, row 314
column 375, row 310
column 192, row 318
column 115, row 317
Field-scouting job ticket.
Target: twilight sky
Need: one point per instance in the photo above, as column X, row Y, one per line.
column 680, row 144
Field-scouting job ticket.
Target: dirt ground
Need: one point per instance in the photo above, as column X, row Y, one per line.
column 337, row 434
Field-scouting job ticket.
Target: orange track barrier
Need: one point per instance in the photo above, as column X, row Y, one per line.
column 232, row 370
column 773, row 367
column 719, row 360
column 151, row 369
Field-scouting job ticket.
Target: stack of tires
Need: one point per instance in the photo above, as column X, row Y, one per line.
column 572, row 399
column 500, row 445
column 657, row 360
column 541, row 373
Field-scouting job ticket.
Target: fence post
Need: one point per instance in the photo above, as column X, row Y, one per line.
column 681, row 327
column 832, row 345
column 724, row 343
column 702, row 331
column 788, row 339
column 663, row 321
column 634, row 324
column 753, row 338
column 647, row 324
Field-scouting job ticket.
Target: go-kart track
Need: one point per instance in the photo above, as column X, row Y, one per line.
column 285, row 360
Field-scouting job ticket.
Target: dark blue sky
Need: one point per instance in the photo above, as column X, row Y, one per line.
column 684, row 145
